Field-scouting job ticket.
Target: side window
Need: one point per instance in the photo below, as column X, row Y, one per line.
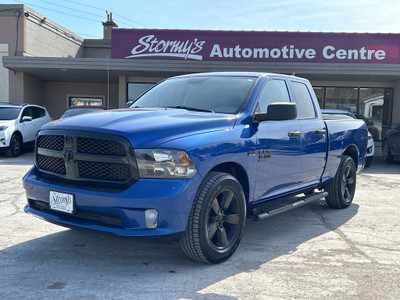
column 274, row 91
column 37, row 112
column 26, row 112
column 305, row 106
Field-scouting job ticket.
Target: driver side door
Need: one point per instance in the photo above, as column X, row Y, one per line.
column 278, row 146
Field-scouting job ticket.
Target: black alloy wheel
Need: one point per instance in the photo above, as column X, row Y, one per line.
column 342, row 188
column 223, row 219
column 348, row 185
column 217, row 219
column 15, row 147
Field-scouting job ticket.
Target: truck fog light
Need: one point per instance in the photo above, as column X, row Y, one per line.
column 151, row 216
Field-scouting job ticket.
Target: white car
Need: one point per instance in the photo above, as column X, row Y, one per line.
column 370, row 150
column 19, row 125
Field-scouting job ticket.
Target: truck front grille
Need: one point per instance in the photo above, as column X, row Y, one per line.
column 99, row 146
column 51, row 164
column 85, row 157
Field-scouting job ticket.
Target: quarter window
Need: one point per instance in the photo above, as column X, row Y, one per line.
column 274, row 91
column 305, row 106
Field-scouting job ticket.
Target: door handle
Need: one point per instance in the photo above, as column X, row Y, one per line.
column 293, row 134
column 320, row 131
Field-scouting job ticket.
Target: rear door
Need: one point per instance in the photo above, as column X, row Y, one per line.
column 313, row 136
column 278, row 146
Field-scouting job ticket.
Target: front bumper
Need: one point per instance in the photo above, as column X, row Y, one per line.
column 4, row 141
column 121, row 213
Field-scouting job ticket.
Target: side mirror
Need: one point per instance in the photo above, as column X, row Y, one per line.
column 26, row 119
column 278, row 111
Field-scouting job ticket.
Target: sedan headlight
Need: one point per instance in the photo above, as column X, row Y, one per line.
column 164, row 163
column 2, row 128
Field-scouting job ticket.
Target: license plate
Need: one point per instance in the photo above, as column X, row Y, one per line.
column 62, row 202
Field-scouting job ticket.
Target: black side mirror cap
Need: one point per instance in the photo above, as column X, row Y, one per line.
column 278, row 111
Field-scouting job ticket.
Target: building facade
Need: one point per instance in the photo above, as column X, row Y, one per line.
column 46, row 64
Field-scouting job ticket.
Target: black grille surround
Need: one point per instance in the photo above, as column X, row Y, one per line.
column 82, row 157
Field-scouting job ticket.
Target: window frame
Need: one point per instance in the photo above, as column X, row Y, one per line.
column 311, row 98
column 257, row 106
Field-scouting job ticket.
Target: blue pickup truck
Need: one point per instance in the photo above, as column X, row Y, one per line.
column 193, row 157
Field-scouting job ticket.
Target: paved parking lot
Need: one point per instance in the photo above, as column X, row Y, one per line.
column 310, row 253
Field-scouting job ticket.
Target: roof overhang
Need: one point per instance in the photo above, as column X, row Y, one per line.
column 104, row 69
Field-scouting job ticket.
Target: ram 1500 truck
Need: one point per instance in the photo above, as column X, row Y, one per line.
column 193, row 157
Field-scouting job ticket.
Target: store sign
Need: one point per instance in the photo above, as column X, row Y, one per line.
column 256, row 46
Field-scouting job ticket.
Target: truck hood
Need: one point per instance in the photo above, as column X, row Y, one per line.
column 147, row 127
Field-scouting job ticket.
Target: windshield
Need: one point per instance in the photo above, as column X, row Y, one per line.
column 216, row 94
column 77, row 111
column 9, row 113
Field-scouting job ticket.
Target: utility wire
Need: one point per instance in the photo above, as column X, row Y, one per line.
column 73, row 9
column 57, row 11
column 102, row 9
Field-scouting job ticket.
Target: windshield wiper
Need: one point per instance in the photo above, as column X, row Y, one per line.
column 190, row 108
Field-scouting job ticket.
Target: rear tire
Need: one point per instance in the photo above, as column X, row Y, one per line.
column 217, row 219
column 15, row 147
column 343, row 187
column 387, row 154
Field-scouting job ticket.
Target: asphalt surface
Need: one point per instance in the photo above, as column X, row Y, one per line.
column 310, row 253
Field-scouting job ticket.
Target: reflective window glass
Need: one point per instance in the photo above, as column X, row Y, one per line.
column 371, row 109
column 305, row 106
column 319, row 92
column 136, row 89
column 274, row 91
column 341, row 98
column 85, row 101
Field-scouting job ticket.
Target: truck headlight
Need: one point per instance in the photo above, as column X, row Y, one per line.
column 164, row 163
column 2, row 128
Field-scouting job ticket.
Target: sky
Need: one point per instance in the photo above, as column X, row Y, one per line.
column 84, row 17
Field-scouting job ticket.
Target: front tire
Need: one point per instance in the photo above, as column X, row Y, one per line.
column 217, row 219
column 343, row 187
column 15, row 146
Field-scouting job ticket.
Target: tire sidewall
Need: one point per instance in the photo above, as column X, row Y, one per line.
column 223, row 183
column 15, row 140
column 386, row 151
column 346, row 162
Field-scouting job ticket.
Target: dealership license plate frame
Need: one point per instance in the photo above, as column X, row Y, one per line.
column 62, row 202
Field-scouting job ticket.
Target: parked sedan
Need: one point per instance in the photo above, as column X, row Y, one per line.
column 391, row 143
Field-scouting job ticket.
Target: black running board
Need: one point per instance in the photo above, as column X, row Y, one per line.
column 300, row 202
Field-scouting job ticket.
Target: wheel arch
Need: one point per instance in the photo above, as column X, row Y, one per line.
column 353, row 152
column 237, row 171
column 17, row 132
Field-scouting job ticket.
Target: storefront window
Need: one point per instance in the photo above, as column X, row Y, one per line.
column 136, row 89
column 341, row 98
column 319, row 92
column 373, row 105
column 85, row 101
column 371, row 108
